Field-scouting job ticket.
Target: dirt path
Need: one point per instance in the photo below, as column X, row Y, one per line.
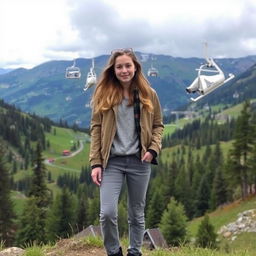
column 81, row 147
column 76, row 247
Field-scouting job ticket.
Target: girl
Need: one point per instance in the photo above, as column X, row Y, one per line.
column 126, row 133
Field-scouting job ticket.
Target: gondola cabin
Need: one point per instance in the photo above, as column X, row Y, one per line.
column 153, row 72
column 73, row 73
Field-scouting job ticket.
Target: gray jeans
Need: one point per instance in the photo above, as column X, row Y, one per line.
column 136, row 174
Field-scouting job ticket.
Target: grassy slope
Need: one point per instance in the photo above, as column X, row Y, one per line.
column 225, row 215
column 93, row 246
column 64, row 139
column 166, row 154
column 229, row 213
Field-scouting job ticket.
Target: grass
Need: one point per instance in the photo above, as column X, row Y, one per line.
column 93, row 241
column 193, row 251
column 170, row 128
column 65, row 138
column 244, row 240
column 77, row 161
column 96, row 242
column 166, row 153
column 1, row 245
column 34, row 251
column 235, row 111
column 19, row 200
column 62, row 139
column 225, row 215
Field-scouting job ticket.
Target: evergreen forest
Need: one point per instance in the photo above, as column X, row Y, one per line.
column 203, row 165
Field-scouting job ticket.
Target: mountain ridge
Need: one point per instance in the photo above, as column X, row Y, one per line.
column 45, row 91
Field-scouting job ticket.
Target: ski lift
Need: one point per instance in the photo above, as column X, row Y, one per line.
column 73, row 71
column 205, row 84
column 91, row 77
column 152, row 71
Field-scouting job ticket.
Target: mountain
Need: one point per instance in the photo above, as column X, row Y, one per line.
column 4, row 70
column 43, row 90
column 20, row 130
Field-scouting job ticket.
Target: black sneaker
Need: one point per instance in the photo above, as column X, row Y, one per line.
column 120, row 253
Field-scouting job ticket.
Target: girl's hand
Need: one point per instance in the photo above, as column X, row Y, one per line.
column 96, row 175
column 147, row 157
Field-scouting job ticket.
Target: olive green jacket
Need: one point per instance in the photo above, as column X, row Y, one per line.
column 103, row 129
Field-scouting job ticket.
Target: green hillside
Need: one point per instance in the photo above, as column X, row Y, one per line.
column 192, row 154
column 60, row 139
column 225, row 215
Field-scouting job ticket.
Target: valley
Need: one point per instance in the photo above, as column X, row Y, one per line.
column 194, row 165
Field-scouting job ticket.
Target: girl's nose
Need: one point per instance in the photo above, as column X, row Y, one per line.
column 124, row 69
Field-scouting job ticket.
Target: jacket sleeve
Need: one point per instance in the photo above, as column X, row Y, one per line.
column 95, row 157
column 158, row 127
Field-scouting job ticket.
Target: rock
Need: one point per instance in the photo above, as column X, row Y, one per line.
column 245, row 222
column 227, row 234
column 233, row 238
column 12, row 251
column 242, row 226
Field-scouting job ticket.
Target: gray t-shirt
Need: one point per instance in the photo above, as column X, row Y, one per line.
column 126, row 141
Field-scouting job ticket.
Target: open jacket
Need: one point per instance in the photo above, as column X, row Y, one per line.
column 103, row 129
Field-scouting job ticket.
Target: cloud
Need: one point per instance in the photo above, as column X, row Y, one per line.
column 42, row 30
column 101, row 28
column 229, row 29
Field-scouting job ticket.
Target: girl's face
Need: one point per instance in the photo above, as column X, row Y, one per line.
column 124, row 69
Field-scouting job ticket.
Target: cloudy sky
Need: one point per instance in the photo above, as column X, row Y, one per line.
column 36, row 31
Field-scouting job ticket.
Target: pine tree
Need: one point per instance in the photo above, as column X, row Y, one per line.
column 206, row 237
column 168, row 180
column 219, row 193
column 173, row 223
column 214, row 162
column 190, row 166
column 155, row 209
column 94, row 209
column 252, row 166
column 203, row 196
column 35, row 212
column 39, row 189
column 32, row 226
column 14, row 167
column 82, row 210
column 238, row 165
column 252, row 157
column 184, row 193
column 7, row 215
column 61, row 218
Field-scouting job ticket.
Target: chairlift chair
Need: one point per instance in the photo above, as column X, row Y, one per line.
column 91, row 78
column 152, row 71
column 205, row 84
column 73, row 72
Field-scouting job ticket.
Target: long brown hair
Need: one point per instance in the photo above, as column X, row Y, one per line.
column 109, row 91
